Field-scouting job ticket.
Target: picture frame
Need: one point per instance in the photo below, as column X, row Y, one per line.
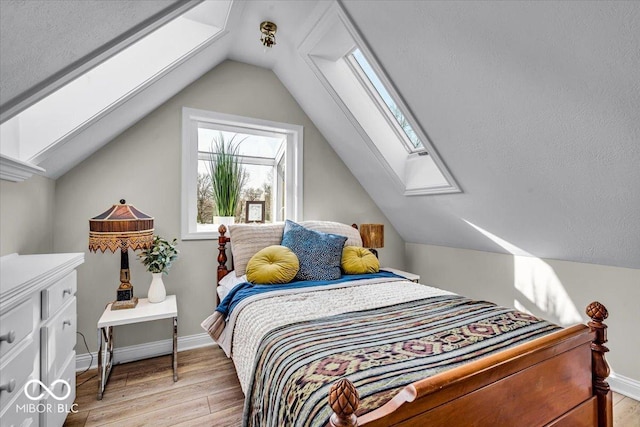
column 254, row 211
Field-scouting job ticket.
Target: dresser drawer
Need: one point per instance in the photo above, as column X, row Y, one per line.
column 16, row 324
column 57, row 294
column 16, row 369
column 58, row 339
column 21, row 413
column 66, row 384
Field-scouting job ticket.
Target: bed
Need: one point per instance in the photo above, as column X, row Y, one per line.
column 380, row 351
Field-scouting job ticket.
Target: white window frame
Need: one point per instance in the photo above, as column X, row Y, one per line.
column 191, row 118
column 326, row 49
column 384, row 109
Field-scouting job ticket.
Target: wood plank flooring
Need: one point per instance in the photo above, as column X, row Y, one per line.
column 143, row 393
column 626, row 411
column 207, row 394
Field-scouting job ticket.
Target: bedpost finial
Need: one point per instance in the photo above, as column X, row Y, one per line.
column 344, row 401
column 222, row 229
column 597, row 312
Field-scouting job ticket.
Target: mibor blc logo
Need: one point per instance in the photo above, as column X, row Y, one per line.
column 40, row 408
column 65, row 384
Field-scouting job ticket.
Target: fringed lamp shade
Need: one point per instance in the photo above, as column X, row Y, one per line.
column 372, row 236
column 121, row 227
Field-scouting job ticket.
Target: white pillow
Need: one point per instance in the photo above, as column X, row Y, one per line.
column 248, row 239
column 228, row 282
column 352, row 234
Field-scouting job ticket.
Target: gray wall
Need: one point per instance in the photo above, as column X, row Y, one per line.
column 26, row 216
column 143, row 166
column 556, row 290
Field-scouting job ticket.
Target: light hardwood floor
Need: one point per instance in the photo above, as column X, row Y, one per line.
column 207, row 394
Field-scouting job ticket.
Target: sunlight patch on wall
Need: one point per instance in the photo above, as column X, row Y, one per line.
column 538, row 290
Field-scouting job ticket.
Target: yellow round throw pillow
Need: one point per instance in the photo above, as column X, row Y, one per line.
column 273, row 264
column 357, row 260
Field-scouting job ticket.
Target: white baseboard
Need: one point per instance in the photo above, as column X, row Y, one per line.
column 624, row 385
column 144, row 351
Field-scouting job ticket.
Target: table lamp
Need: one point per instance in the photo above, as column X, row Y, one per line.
column 121, row 227
column 372, row 237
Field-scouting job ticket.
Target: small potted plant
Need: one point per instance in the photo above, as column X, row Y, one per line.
column 227, row 178
column 158, row 259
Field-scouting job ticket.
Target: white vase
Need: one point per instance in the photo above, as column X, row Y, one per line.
column 157, row 292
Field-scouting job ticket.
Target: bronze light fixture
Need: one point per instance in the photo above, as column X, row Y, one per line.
column 268, row 30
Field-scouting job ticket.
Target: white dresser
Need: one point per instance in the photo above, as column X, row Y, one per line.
column 37, row 338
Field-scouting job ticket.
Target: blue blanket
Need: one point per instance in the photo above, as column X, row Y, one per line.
column 245, row 290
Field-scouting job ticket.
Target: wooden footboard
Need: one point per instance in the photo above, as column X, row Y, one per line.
column 556, row 380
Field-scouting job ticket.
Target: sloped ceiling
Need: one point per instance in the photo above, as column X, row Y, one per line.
column 534, row 107
column 40, row 40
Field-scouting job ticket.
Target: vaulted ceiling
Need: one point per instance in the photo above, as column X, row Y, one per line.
column 533, row 106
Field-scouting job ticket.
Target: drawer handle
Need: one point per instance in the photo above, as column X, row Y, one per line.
column 66, row 291
column 66, row 323
column 9, row 337
column 8, row 387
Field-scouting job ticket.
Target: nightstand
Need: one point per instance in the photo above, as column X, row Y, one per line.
column 409, row 276
column 143, row 312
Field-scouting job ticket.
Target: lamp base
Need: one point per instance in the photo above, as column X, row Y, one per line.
column 121, row 305
column 124, row 294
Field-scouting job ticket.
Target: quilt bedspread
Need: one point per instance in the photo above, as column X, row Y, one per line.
column 380, row 350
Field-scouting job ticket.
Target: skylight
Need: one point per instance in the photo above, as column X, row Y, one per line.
column 382, row 94
column 375, row 110
column 83, row 101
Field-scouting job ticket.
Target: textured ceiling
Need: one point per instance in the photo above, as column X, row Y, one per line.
column 533, row 106
column 41, row 38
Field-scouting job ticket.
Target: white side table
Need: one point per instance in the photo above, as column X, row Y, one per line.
column 143, row 312
column 409, row 276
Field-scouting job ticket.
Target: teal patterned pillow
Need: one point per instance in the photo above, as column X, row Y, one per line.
column 319, row 253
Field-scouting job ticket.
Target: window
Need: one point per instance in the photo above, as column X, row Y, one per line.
column 259, row 156
column 270, row 158
column 396, row 117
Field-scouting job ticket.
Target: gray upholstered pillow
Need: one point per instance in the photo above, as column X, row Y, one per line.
column 248, row 239
column 330, row 227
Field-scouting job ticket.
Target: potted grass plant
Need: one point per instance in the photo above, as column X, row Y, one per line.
column 227, row 178
column 158, row 259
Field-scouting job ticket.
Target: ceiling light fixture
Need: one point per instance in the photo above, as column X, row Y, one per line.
column 268, row 30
